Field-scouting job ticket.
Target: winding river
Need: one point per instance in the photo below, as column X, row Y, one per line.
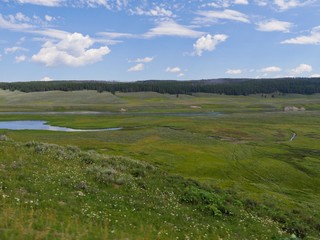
column 42, row 125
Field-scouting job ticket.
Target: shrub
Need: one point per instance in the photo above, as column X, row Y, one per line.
column 207, row 201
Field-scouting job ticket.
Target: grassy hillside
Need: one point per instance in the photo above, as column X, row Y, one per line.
column 242, row 156
column 150, row 102
column 52, row 192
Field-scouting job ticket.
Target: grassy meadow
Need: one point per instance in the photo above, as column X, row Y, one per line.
column 199, row 166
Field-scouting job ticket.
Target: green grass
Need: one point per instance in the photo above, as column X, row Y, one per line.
column 243, row 156
column 50, row 192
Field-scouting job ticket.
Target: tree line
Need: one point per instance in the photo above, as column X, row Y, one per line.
column 218, row 86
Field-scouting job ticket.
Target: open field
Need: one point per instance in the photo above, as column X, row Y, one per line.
column 242, row 155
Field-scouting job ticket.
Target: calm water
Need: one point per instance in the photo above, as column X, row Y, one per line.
column 42, row 125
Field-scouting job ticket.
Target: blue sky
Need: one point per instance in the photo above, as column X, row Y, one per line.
column 127, row 40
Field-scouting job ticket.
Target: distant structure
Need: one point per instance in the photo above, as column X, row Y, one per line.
column 293, row 109
column 293, row 137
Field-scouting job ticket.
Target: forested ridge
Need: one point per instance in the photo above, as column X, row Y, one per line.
column 219, row 86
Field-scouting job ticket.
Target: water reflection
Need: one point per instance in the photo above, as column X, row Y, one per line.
column 42, row 125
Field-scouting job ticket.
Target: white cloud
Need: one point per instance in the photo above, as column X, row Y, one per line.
column 20, row 17
column 227, row 14
column 143, row 60
column 302, row 68
column 208, row 43
column 173, row 70
column 167, row 27
column 14, row 49
column 315, row 76
column 136, row 68
column 234, row 71
column 176, row 70
column 11, row 25
column 29, row 28
column 0, row 57
column 114, row 35
column 48, row 3
column 48, row 18
column 274, row 25
column 155, row 12
column 171, row 28
column 261, row 3
column 52, row 33
column 20, row 59
column 114, row 4
column 271, row 69
column 121, row 3
column 286, row 4
column 72, row 51
column 243, row 2
column 219, row 4
column 312, row 39
column 94, row 3
column 46, row 79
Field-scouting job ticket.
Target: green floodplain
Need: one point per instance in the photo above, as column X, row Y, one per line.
column 200, row 166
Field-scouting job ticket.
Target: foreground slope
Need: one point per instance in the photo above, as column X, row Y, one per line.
column 50, row 192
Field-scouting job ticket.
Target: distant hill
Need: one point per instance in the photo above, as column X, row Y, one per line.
column 241, row 86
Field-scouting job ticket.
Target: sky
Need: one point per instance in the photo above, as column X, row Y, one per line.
column 130, row 40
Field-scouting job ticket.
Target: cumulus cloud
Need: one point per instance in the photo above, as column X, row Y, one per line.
column 143, row 60
column 234, row 71
column 312, row 39
column 227, row 14
column 173, row 69
column 302, row 68
column 19, row 59
column 208, row 43
column 14, row 49
column 140, row 66
column 137, row 68
column 315, row 76
column 48, row 18
column 274, row 25
column 46, row 79
column 171, row 28
column 176, row 70
column 75, row 51
column 271, row 69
